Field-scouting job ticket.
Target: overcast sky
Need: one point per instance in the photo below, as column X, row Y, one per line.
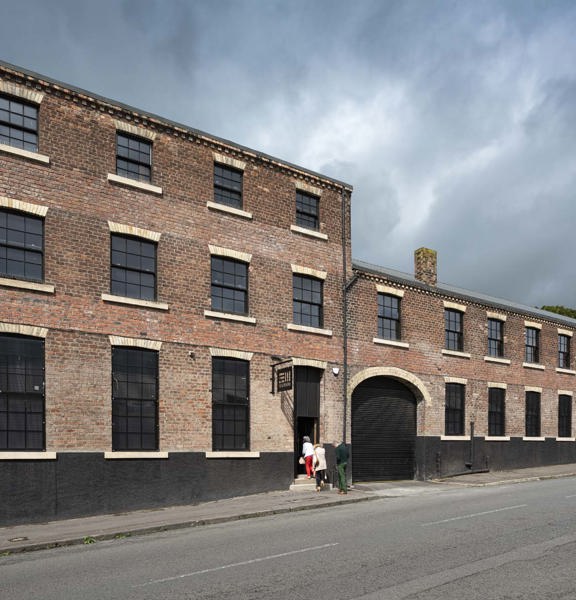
column 455, row 121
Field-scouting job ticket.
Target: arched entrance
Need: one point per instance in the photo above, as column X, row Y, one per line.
column 383, row 430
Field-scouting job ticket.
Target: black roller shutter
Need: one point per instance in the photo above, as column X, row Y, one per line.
column 383, row 430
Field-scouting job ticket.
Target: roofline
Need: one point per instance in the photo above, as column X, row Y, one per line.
column 446, row 290
column 174, row 124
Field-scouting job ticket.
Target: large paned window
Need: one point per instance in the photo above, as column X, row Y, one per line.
column 495, row 338
column 453, row 325
column 133, row 157
column 454, row 409
column 532, row 341
column 563, row 351
column 230, row 404
column 21, row 393
column 21, row 246
column 388, row 317
column 564, row 416
column 307, row 301
column 496, row 411
column 229, row 290
column 532, row 414
column 134, row 399
column 227, row 186
column 18, row 123
column 133, row 267
column 307, row 210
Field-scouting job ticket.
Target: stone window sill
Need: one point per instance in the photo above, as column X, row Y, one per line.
column 139, row 185
column 533, row 366
column 391, row 343
column 455, row 438
column 495, row 359
column 229, row 210
column 309, row 232
column 23, row 455
column 497, row 438
column 563, row 439
column 565, row 371
column 134, row 455
column 214, row 314
column 456, row 353
column 306, row 329
column 534, row 439
column 27, row 285
column 35, row 156
column 135, row 302
column 236, row 454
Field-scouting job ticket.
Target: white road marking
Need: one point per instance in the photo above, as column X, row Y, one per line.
column 238, row 564
column 480, row 514
column 571, row 496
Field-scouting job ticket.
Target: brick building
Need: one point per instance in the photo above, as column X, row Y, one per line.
column 172, row 322
column 150, row 276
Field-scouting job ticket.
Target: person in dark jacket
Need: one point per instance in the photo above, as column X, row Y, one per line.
column 342, row 456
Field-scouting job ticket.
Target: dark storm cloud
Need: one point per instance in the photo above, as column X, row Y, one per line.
column 454, row 120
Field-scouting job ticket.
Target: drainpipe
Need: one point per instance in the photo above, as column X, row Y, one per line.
column 344, row 317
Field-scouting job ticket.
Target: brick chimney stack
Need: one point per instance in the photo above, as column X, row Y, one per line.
column 425, row 266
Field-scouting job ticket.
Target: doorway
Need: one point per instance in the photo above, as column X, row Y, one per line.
column 306, row 410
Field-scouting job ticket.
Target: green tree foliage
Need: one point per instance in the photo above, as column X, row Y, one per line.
column 561, row 310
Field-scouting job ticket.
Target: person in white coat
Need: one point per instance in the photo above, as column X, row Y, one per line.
column 308, row 454
column 319, row 466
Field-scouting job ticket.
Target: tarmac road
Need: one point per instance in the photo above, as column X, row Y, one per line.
column 496, row 542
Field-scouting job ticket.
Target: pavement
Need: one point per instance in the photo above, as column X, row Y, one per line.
column 87, row 530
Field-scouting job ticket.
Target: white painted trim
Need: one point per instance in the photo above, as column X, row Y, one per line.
column 135, row 302
column 306, row 187
column 307, row 271
column 565, row 439
column 140, row 185
column 454, row 306
column 565, row 332
column 134, row 130
column 495, row 359
column 532, row 324
column 306, row 329
column 29, row 330
column 384, row 342
column 116, row 340
column 456, row 353
column 229, row 209
column 27, row 455
column 134, row 231
column 214, row 314
column 459, row 380
column 495, row 316
column 226, row 353
column 455, row 438
column 308, row 362
column 19, row 91
column 310, row 232
column 534, row 439
column 391, row 291
column 497, row 438
column 134, row 455
column 230, row 161
column 41, row 158
column 218, row 251
column 27, row 285
column 537, row 366
column 27, row 207
column 238, row 454
column 565, row 371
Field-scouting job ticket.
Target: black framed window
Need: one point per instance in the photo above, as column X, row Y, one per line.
column 21, row 246
column 532, row 414
column 564, row 415
column 230, row 404
column 133, row 157
column 453, row 324
column 496, row 411
column 388, row 317
column 18, row 123
column 307, row 210
column 227, row 185
column 229, row 290
column 563, row 351
column 532, row 341
column 495, row 337
column 22, row 420
column 134, row 399
column 307, row 301
column 132, row 267
column 454, row 409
